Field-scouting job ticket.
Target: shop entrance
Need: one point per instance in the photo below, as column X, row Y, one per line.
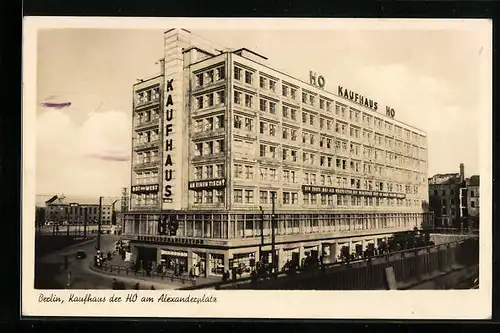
column 146, row 256
column 199, row 264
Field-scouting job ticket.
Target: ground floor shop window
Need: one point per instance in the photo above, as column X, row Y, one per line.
column 216, row 264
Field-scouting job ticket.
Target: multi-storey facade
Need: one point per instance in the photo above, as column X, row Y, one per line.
column 77, row 211
column 225, row 135
column 445, row 191
column 472, row 184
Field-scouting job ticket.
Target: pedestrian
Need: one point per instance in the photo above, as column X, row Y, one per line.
column 152, row 287
column 115, row 285
column 137, row 286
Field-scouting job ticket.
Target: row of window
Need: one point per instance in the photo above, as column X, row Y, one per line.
column 146, row 177
column 209, row 171
column 209, row 76
column 308, row 158
column 242, row 171
column 146, row 157
column 211, row 99
column 147, row 96
column 147, row 136
column 246, row 196
column 208, row 148
column 145, row 200
column 209, row 124
column 144, row 117
column 351, row 114
column 209, row 197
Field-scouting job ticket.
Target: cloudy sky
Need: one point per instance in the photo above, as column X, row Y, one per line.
column 429, row 76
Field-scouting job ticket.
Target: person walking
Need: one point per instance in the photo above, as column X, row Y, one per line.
column 137, row 286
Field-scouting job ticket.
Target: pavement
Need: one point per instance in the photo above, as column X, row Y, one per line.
column 51, row 274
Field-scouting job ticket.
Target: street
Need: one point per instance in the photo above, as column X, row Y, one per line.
column 53, row 273
column 50, row 272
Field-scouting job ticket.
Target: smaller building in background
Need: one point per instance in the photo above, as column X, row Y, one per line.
column 74, row 210
column 444, row 198
column 472, row 185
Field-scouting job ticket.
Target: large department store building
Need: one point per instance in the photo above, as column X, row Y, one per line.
column 218, row 134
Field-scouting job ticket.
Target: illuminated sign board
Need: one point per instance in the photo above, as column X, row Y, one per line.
column 207, row 184
column 171, row 240
column 168, row 146
column 141, row 189
column 318, row 81
column 334, row 190
column 357, row 98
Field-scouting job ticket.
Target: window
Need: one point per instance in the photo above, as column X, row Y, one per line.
column 237, row 97
column 293, row 93
column 286, row 175
column 199, row 149
column 238, row 171
column 285, row 133
column 198, row 173
column 249, row 172
column 237, row 121
column 209, row 196
column 321, row 104
column 284, row 151
column 272, row 129
column 293, row 114
column 237, row 73
column 286, row 198
column 304, row 117
column 210, row 76
column 248, row 124
column 321, row 123
column 199, row 102
column 272, row 85
column 220, row 170
column 273, row 174
column 262, row 127
column 263, row 105
column 219, row 196
column 472, row 204
column 248, row 77
column 221, row 73
column 272, row 151
column 248, row 100
column 285, row 111
column 294, row 155
column 220, row 146
column 248, row 196
column 272, row 107
column 220, row 121
column 304, row 98
column 210, row 124
column 311, row 99
column 293, row 134
column 199, row 80
column 262, row 150
column 209, row 174
column 263, row 197
column 238, row 196
column 198, row 197
column 221, row 97
column 198, row 127
column 284, row 90
column 262, row 82
column 311, row 120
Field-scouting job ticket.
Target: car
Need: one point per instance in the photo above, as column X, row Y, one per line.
column 81, row 254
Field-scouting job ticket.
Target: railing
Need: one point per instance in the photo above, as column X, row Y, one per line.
column 367, row 274
column 120, row 270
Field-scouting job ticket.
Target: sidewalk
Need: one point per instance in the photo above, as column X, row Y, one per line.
column 168, row 281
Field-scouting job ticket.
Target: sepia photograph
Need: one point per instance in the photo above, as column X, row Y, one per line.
column 204, row 156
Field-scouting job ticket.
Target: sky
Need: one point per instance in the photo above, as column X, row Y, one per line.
column 429, row 76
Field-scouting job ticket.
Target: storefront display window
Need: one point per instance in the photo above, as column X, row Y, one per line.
column 216, row 264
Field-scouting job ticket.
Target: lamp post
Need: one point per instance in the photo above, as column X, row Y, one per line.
column 261, row 257
column 99, row 222
column 273, row 234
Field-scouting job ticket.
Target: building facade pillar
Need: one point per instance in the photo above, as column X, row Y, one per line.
column 189, row 259
column 208, row 264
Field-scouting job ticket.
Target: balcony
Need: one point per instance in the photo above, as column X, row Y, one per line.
column 142, row 125
column 138, row 146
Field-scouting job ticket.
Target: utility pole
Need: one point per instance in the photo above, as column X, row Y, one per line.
column 273, row 234
column 99, row 222
column 85, row 223
column 261, row 257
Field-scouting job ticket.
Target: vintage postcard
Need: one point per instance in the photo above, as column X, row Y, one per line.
column 246, row 168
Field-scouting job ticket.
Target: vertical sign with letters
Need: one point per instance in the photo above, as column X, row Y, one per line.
column 174, row 146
